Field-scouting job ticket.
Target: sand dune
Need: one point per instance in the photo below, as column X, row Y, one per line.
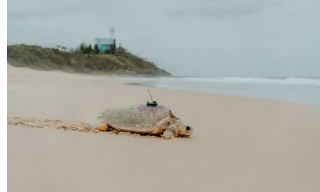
column 239, row 144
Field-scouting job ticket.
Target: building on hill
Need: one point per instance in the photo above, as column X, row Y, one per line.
column 106, row 45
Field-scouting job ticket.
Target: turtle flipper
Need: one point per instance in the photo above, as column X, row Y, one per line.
column 103, row 127
column 168, row 134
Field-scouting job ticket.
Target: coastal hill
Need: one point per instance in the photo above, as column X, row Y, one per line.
column 121, row 62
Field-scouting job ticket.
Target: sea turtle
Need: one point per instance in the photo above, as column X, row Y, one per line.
column 144, row 120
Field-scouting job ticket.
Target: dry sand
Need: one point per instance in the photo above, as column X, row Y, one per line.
column 240, row 144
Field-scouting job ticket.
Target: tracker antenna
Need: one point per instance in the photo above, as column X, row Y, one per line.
column 152, row 103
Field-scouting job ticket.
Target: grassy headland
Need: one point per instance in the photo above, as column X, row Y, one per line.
column 121, row 62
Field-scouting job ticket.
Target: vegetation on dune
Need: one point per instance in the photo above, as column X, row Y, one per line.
column 84, row 59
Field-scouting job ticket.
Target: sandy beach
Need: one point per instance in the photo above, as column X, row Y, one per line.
column 239, row 144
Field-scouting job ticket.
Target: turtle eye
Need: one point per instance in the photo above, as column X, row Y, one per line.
column 188, row 128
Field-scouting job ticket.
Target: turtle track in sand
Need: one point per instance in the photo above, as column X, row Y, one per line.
column 61, row 125
column 51, row 123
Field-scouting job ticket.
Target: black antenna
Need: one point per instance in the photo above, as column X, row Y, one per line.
column 153, row 103
column 150, row 96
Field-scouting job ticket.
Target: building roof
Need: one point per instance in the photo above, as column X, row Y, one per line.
column 104, row 41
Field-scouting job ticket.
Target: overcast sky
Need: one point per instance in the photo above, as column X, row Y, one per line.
column 185, row 37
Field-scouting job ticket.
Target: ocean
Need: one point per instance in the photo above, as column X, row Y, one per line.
column 300, row 90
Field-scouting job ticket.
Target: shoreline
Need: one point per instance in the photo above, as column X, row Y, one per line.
column 119, row 79
column 221, row 94
column 305, row 94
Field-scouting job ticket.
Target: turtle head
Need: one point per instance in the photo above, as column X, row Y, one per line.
column 183, row 129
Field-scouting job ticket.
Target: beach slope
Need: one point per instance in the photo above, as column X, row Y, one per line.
column 239, row 144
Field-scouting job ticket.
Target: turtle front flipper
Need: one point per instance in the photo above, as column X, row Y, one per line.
column 170, row 132
column 167, row 134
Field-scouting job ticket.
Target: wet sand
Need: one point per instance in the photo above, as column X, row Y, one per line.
column 239, row 144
